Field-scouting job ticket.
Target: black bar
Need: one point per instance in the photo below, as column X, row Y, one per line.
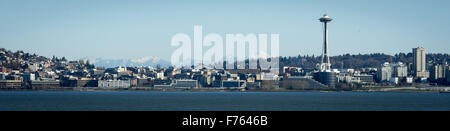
column 174, row 119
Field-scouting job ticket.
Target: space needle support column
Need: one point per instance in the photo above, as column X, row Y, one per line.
column 327, row 58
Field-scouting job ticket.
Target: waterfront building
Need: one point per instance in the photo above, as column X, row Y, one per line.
column 28, row 77
column 163, row 86
column 141, row 82
column 384, row 72
column 400, row 70
column 365, row 79
column 253, row 85
column 233, row 83
column 186, row 83
column 394, row 80
column 206, row 81
column 437, row 72
column 10, row 84
column 45, row 84
column 114, row 83
column 409, row 80
column 343, row 77
column 419, row 63
column 85, row 82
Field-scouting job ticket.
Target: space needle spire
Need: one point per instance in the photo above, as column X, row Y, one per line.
column 325, row 64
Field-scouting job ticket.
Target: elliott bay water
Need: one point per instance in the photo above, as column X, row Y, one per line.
column 221, row 101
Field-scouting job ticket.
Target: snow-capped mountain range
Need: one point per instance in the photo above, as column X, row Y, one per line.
column 143, row 61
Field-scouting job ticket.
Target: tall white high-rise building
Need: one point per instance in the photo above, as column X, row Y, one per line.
column 384, row 72
column 419, row 63
column 387, row 71
column 437, row 71
column 400, row 69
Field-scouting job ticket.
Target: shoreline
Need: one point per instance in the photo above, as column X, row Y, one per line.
column 397, row 89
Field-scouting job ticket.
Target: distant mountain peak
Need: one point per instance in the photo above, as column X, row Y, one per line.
column 146, row 59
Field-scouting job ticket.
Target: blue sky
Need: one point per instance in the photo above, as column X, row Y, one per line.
column 116, row 29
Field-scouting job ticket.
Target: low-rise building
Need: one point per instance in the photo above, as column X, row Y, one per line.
column 10, row 84
column 145, row 82
column 163, row 86
column 409, row 80
column 87, row 83
column 114, row 83
column 45, row 83
column 253, row 85
column 233, row 84
column 394, row 80
column 365, row 79
column 186, row 83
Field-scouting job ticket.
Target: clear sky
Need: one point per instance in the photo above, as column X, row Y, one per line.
column 115, row 29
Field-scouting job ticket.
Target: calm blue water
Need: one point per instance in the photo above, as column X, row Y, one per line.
column 217, row 101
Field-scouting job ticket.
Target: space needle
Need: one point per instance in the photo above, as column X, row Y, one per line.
column 325, row 64
column 325, row 75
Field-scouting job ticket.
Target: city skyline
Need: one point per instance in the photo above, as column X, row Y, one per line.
column 223, row 63
column 132, row 30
